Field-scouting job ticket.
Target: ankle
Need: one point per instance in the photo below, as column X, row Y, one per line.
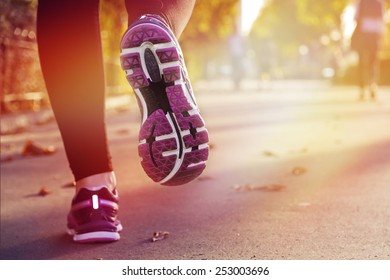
column 101, row 179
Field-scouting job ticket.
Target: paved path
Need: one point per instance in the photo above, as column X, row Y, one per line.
column 298, row 170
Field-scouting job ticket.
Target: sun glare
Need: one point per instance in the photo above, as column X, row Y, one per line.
column 249, row 12
column 348, row 20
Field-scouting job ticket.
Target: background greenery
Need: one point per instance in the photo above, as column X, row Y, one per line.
column 290, row 39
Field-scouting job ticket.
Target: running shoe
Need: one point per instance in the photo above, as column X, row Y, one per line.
column 173, row 140
column 93, row 215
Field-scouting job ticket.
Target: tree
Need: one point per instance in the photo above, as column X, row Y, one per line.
column 19, row 64
column 297, row 25
column 113, row 18
column 211, row 21
column 298, row 21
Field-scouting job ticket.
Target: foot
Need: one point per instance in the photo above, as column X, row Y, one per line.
column 93, row 216
column 173, row 140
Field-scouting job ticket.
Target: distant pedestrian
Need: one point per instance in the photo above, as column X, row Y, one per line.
column 237, row 52
column 366, row 40
column 172, row 139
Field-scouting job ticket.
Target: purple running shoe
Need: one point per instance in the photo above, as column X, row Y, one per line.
column 93, row 216
column 173, row 140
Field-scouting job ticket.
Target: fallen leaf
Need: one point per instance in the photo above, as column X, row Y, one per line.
column 270, row 188
column 298, row 170
column 204, row 178
column 159, row 235
column 122, row 109
column 70, row 185
column 33, row 149
column 43, row 191
column 269, row 154
column 7, row 159
column 123, row 131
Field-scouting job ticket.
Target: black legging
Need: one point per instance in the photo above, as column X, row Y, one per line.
column 71, row 60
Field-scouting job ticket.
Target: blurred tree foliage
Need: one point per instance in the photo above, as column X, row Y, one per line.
column 323, row 16
column 113, row 19
column 307, row 33
column 21, row 81
column 205, row 37
column 16, row 13
column 211, row 22
column 295, row 22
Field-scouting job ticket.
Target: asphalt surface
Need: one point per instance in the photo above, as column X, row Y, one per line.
column 297, row 170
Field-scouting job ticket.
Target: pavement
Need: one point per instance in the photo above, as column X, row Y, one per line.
column 297, row 170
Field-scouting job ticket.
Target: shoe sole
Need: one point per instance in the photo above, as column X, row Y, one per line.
column 173, row 140
column 96, row 236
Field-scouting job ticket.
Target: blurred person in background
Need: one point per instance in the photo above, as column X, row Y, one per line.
column 366, row 40
column 237, row 54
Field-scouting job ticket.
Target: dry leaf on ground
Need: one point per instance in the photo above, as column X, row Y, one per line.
column 70, row 185
column 299, row 170
column 159, row 235
column 123, row 131
column 43, row 191
column 30, row 148
column 268, row 188
column 7, row 159
column 204, row 178
column 269, row 154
